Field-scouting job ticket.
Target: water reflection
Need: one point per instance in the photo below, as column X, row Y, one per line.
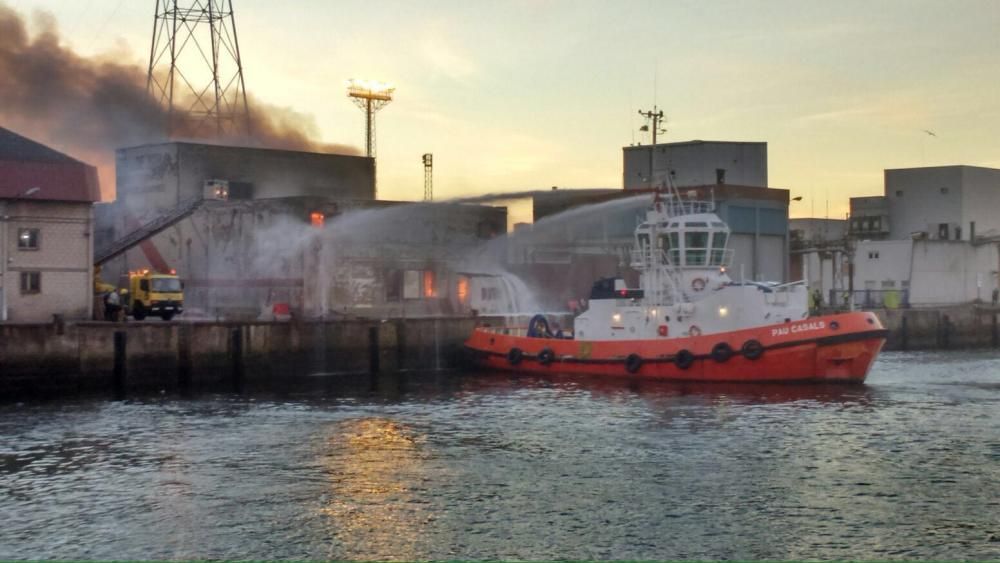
column 375, row 467
column 650, row 389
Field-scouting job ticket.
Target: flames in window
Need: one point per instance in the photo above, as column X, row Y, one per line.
column 316, row 219
column 429, row 290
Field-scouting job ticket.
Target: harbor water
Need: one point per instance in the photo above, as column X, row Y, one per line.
column 486, row 466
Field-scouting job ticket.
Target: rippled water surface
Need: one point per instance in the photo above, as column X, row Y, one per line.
column 477, row 466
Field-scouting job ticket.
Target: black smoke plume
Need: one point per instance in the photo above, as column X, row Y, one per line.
column 88, row 107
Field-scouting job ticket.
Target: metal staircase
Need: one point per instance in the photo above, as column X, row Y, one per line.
column 149, row 229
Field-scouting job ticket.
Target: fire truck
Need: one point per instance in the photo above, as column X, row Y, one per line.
column 154, row 294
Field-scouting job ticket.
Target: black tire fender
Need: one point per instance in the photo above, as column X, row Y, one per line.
column 546, row 356
column 514, row 356
column 633, row 363
column 684, row 359
column 721, row 352
column 752, row 349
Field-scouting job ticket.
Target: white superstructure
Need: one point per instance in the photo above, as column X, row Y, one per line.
column 681, row 251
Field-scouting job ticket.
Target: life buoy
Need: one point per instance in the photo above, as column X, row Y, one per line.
column 514, row 356
column 721, row 352
column 662, row 330
column 684, row 359
column 698, row 284
column 633, row 363
column 694, row 331
column 752, row 349
column 546, row 356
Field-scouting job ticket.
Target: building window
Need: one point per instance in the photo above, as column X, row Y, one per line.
column 888, row 284
column 944, row 190
column 899, row 193
column 943, row 231
column 720, row 175
column 28, row 239
column 316, row 219
column 429, row 289
column 873, row 254
column 393, row 285
column 31, row 282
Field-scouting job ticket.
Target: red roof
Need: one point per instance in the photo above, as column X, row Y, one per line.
column 26, row 164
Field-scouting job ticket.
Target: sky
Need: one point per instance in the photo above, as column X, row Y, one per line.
column 518, row 95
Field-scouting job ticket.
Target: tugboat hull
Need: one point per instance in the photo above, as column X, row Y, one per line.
column 833, row 348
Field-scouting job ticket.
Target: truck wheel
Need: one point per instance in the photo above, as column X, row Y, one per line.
column 138, row 312
column 167, row 316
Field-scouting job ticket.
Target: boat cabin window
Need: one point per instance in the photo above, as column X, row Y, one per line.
column 696, row 224
column 695, row 247
column 675, row 249
column 718, row 249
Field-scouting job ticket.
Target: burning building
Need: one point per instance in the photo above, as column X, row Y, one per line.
column 250, row 230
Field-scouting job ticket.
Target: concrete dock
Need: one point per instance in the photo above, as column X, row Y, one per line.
column 65, row 358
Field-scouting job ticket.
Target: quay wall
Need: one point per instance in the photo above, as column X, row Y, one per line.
column 59, row 358
column 63, row 358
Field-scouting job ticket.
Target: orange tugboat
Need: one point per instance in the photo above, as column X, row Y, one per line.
column 688, row 320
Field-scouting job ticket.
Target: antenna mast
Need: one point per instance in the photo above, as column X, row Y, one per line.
column 656, row 116
column 195, row 69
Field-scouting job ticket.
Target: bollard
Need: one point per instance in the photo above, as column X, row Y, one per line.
column 400, row 345
column 945, row 332
column 184, row 357
column 120, row 371
column 995, row 340
column 236, row 356
column 904, row 335
column 373, row 364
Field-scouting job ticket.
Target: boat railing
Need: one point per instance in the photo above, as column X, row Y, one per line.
column 677, row 207
column 523, row 331
column 645, row 258
column 780, row 294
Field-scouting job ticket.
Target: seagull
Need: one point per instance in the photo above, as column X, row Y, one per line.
column 931, row 133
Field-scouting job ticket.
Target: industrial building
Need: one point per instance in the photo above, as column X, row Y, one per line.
column 251, row 231
column 569, row 245
column 931, row 239
column 46, row 222
column 695, row 163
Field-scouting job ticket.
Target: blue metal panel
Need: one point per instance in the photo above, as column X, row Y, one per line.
column 773, row 222
column 739, row 218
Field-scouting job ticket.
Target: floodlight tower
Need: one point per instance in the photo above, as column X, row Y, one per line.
column 195, row 69
column 370, row 96
column 428, row 177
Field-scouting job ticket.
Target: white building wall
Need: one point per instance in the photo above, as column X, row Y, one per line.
column 920, row 199
column 980, row 201
column 882, row 264
column 64, row 260
column 695, row 163
column 949, row 272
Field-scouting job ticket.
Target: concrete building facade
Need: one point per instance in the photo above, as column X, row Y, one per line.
column 695, row 163
column 297, row 230
column 931, row 239
column 46, row 227
column 943, row 202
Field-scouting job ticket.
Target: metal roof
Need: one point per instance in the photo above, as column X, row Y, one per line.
column 27, row 164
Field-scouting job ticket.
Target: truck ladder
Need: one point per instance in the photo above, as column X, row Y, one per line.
column 149, row 229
